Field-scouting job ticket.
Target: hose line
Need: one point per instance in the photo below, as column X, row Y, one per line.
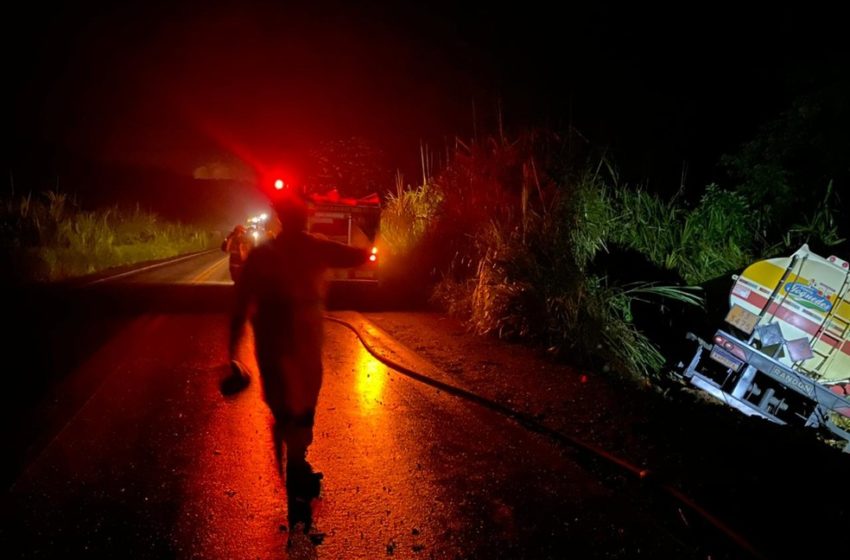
column 533, row 425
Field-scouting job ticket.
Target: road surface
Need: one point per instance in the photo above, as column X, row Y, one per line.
column 152, row 462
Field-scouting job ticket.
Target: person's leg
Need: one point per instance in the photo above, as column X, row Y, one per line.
column 302, row 484
column 303, row 374
column 297, row 435
column 278, row 441
column 236, row 264
column 291, row 384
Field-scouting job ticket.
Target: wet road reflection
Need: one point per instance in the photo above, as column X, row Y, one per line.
column 371, row 378
column 176, row 470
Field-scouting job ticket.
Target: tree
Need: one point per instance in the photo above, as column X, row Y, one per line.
column 353, row 166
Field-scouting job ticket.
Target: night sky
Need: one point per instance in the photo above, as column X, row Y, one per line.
column 101, row 89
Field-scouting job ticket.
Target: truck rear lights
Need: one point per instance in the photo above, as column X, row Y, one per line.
column 730, row 347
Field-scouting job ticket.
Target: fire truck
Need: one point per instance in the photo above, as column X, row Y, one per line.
column 785, row 353
column 355, row 222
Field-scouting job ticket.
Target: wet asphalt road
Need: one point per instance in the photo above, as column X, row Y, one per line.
column 155, row 463
column 207, row 268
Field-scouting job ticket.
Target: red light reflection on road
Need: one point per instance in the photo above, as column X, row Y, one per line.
column 371, row 378
column 235, row 494
column 378, row 484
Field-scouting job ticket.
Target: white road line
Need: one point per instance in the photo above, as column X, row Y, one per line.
column 149, row 267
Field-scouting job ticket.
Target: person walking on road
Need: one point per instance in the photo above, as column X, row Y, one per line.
column 281, row 292
column 237, row 244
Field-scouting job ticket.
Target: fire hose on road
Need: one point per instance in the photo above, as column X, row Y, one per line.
column 644, row 475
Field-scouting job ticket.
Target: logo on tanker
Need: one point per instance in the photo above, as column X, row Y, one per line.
column 808, row 296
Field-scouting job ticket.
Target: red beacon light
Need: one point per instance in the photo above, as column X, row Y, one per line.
column 279, row 184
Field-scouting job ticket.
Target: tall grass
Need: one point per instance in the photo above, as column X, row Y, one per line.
column 407, row 215
column 820, row 226
column 517, row 236
column 48, row 238
column 701, row 242
column 523, row 241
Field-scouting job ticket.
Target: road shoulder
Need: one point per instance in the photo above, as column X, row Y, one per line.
column 713, row 454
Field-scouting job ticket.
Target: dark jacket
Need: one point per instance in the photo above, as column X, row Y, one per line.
column 282, row 291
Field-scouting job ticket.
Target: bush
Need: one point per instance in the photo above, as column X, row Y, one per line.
column 519, row 239
column 50, row 238
column 529, row 277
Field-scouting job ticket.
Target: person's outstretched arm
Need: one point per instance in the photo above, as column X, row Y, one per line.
column 339, row 255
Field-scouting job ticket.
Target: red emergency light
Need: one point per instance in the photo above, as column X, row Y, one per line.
column 274, row 180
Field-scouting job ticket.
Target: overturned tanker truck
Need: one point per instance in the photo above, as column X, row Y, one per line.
column 785, row 355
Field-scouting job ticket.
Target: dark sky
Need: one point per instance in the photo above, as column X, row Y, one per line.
column 180, row 85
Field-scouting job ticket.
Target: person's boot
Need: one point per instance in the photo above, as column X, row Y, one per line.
column 303, row 485
column 302, row 481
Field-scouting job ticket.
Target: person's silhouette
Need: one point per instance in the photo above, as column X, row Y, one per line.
column 237, row 244
column 281, row 290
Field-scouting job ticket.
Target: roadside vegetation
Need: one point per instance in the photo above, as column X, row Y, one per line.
column 530, row 238
column 49, row 237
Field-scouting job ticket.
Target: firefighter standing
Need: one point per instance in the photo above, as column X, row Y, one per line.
column 281, row 291
column 237, row 244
